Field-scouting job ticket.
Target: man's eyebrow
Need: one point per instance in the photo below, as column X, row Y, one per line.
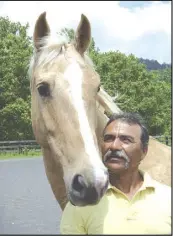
column 125, row 135
column 120, row 135
column 132, row 139
column 109, row 134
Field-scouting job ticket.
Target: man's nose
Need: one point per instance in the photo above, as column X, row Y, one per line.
column 116, row 144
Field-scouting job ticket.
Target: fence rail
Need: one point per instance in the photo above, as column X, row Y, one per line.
column 164, row 139
column 24, row 146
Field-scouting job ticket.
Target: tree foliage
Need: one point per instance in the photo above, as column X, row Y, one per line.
column 138, row 89
column 15, row 50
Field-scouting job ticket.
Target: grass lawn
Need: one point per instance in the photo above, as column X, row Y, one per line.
column 11, row 155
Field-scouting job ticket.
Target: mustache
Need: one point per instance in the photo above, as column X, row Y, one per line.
column 118, row 154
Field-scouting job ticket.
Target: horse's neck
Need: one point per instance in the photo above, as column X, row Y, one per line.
column 54, row 174
column 101, row 122
column 105, row 105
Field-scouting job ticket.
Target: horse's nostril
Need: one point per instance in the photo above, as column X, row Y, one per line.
column 78, row 183
column 85, row 192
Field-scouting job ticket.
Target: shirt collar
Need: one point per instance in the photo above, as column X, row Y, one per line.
column 148, row 181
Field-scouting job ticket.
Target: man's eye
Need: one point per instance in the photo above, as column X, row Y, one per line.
column 126, row 139
column 108, row 138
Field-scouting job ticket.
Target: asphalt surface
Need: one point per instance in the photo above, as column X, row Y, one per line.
column 27, row 204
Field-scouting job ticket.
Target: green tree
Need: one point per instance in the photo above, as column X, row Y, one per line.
column 69, row 33
column 138, row 90
column 15, row 51
column 163, row 75
column 162, row 80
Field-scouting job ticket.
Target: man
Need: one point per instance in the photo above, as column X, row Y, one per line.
column 134, row 203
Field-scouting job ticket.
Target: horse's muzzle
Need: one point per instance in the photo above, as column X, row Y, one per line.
column 85, row 193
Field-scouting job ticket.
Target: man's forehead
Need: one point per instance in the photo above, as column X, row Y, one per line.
column 119, row 126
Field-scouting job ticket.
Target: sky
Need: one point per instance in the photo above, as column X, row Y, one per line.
column 142, row 28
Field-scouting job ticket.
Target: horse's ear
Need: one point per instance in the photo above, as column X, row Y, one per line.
column 41, row 29
column 83, row 35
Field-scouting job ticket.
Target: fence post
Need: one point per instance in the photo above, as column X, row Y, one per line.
column 166, row 140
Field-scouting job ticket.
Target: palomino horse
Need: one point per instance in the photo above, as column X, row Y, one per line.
column 68, row 117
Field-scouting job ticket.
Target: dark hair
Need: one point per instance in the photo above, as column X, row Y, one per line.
column 131, row 118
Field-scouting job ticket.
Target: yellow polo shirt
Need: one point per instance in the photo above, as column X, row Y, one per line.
column 148, row 212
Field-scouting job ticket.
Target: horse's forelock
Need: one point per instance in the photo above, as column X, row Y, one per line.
column 50, row 47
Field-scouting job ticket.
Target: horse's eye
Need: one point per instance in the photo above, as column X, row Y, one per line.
column 98, row 89
column 44, row 90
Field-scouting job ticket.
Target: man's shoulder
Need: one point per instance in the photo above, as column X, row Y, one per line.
column 162, row 186
column 162, row 190
column 150, row 181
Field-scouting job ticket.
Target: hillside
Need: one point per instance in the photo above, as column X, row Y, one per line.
column 153, row 64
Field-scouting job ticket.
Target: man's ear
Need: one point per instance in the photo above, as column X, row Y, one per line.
column 145, row 151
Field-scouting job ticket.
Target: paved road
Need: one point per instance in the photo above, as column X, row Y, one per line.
column 27, row 204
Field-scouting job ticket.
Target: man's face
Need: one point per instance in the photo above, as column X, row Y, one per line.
column 125, row 138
